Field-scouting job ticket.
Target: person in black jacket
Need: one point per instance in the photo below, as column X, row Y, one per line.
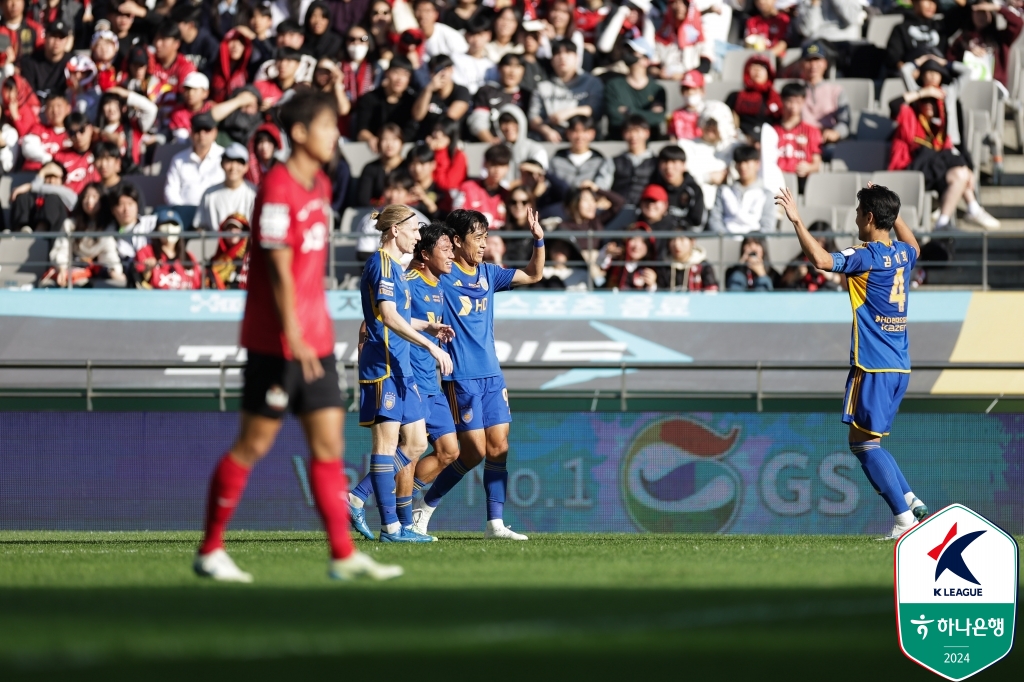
column 392, row 102
column 321, row 40
column 634, row 168
column 919, row 34
column 198, row 46
column 44, row 68
column 685, row 198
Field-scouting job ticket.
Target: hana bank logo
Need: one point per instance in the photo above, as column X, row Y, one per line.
column 676, row 480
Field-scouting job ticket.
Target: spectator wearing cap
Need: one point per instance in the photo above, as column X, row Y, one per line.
column 47, row 137
column 653, row 209
column 679, row 41
column 438, row 38
column 233, row 196
column 197, row 44
column 635, row 166
column 167, row 68
column 504, row 34
column 473, row 68
column 832, row 20
column 441, row 98
column 634, row 93
column 320, row 39
column 77, row 160
column 757, row 103
column 799, row 141
column 125, row 117
column 579, row 163
column 492, row 98
column 746, row 205
column 685, row 197
column 826, row 104
column 44, row 68
column 164, row 263
column 82, row 92
column 195, row 95
column 569, row 93
column 767, row 28
column 684, row 124
column 285, row 78
column 195, row 170
column 29, row 32
column 104, row 56
column 137, row 72
column 231, row 69
column 229, row 266
column 390, row 103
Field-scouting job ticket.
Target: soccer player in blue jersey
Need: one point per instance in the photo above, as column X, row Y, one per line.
column 476, row 391
column 877, row 271
column 390, row 402
column 432, row 259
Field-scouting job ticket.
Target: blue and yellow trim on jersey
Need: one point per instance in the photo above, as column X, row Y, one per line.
column 385, row 271
column 377, row 387
column 858, row 290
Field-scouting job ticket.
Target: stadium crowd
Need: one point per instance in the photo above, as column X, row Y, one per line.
column 94, row 89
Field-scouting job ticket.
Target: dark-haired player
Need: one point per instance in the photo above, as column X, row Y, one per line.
column 290, row 340
column 476, row 391
column 432, row 259
column 877, row 272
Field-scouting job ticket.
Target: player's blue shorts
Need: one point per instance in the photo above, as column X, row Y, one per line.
column 873, row 399
column 395, row 399
column 438, row 415
column 478, row 403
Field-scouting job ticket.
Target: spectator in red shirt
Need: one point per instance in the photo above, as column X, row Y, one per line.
column 487, row 195
column 195, row 95
column 167, row 67
column 30, row 33
column 77, row 160
column 44, row 140
column 799, row 141
column 767, row 28
column 429, row 199
column 164, row 263
column 684, row 125
column 450, row 171
column 232, row 69
column 20, row 104
column 757, row 103
column 271, row 91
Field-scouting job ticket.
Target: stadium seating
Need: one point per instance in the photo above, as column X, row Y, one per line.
column 673, row 95
column 891, row 89
column 880, row 28
column 862, row 156
column 732, row 65
column 910, row 186
column 719, row 90
column 837, row 189
column 872, row 126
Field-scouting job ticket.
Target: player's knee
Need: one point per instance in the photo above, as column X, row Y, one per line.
column 497, row 452
column 446, row 457
column 251, row 450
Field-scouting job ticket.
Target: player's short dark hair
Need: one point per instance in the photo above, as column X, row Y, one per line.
column 303, row 108
column 399, row 179
column 746, row 152
column 429, row 237
column 105, row 149
column 464, row 222
column 168, row 28
column 420, row 152
column 794, row 90
column 479, row 23
column 671, row 153
column 498, row 155
column 882, row 203
column 636, row 121
column 585, row 121
column 507, row 117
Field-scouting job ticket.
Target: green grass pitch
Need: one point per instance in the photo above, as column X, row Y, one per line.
column 111, row 606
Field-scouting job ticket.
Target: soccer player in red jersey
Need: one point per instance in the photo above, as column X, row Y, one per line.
column 290, row 340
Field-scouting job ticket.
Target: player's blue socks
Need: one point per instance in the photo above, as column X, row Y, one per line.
column 417, row 485
column 445, row 481
column 403, row 507
column 904, row 486
column 883, row 474
column 382, row 476
column 495, row 482
column 401, row 461
column 364, row 488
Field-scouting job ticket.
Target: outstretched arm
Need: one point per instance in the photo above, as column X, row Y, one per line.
column 534, row 271
column 821, row 258
column 904, row 234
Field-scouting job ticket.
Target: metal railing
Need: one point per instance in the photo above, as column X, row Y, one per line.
column 91, row 391
column 337, row 268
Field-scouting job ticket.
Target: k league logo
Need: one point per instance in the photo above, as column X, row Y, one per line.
column 956, row 592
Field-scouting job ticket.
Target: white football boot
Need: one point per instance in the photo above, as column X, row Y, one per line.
column 497, row 530
column 359, row 565
column 904, row 522
column 219, row 566
column 421, row 514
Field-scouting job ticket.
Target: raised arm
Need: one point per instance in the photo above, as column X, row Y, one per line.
column 815, row 253
column 534, row 270
column 904, row 234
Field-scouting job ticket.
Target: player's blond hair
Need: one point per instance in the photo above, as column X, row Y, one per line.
column 389, row 216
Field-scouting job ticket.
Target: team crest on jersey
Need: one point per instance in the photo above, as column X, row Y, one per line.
column 483, row 283
column 389, row 400
column 277, row 398
column 467, row 415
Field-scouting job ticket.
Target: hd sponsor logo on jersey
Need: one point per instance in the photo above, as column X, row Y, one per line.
column 956, row 592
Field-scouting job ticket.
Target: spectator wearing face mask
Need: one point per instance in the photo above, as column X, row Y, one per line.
column 164, row 263
column 360, row 73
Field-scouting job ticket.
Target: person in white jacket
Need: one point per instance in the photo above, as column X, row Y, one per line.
column 95, row 257
column 746, row 205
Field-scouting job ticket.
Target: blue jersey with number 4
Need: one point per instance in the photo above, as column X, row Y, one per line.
column 469, row 309
column 877, row 273
column 427, row 304
column 385, row 354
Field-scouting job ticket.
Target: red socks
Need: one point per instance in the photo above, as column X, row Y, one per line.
column 331, row 494
column 226, row 488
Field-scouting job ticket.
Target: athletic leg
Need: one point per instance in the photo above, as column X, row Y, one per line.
column 446, row 451
column 414, row 438
column 323, row 430
column 496, row 482
column 382, row 472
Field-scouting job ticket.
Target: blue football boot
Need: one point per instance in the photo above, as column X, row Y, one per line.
column 357, row 519
column 406, row 534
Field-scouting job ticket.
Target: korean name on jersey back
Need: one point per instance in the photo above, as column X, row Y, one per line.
column 469, row 309
column 877, row 273
column 427, row 304
column 385, row 354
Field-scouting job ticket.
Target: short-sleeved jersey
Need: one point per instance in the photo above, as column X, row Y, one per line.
column 385, row 354
column 287, row 214
column 877, row 273
column 469, row 309
column 427, row 304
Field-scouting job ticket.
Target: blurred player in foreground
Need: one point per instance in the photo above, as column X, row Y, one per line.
column 877, row 272
column 476, row 392
column 432, row 259
column 390, row 402
column 290, row 340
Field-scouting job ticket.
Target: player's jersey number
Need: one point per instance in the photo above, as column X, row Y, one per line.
column 898, row 295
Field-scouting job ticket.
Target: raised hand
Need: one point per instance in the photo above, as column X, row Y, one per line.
column 787, row 201
column 533, row 217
